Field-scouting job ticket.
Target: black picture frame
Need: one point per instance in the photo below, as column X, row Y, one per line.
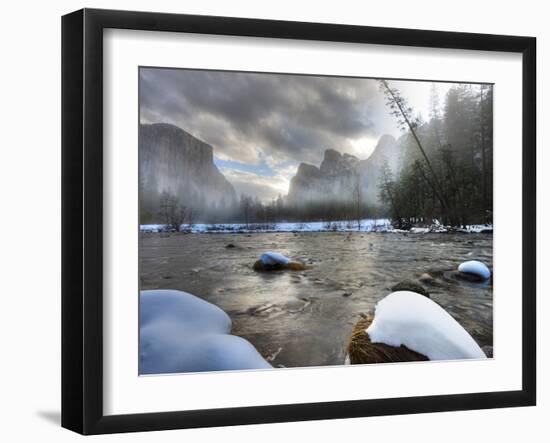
column 82, row 218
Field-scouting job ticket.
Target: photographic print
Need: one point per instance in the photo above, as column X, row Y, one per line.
column 292, row 221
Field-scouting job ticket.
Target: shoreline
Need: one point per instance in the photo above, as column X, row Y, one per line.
column 367, row 226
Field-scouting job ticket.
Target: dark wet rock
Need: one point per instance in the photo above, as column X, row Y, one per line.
column 230, row 246
column 488, row 351
column 411, row 285
column 273, row 355
column 426, row 278
column 290, row 266
column 473, row 278
column 347, row 294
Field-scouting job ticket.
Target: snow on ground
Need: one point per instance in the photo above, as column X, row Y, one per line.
column 476, row 268
column 476, row 229
column 419, row 230
column 274, row 258
column 367, row 225
column 410, row 319
column 183, row 333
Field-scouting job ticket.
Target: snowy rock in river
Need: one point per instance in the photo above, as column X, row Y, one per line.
column 361, row 350
column 274, row 258
column 274, row 261
column 412, row 320
column 476, row 268
column 183, row 333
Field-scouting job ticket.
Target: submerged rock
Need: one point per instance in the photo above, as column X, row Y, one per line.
column 411, row 285
column 474, row 270
column 426, row 278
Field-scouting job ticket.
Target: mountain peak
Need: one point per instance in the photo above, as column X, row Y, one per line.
column 336, row 163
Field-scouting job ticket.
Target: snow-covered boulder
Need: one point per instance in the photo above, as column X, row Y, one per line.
column 475, row 268
column 361, row 350
column 183, row 333
column 409, row 319
column 273, row 261
column 274, row 258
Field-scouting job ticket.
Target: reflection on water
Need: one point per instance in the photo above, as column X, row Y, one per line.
column 303, row 318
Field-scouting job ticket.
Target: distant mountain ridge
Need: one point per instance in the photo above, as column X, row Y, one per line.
column 387, row 150
column 335, row 178
column 173, row 161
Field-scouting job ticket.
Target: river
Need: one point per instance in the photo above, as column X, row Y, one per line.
column 298, row 319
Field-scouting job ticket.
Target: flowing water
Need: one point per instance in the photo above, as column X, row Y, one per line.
column 303, row 318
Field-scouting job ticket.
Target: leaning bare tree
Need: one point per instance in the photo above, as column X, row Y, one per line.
column 401, row 110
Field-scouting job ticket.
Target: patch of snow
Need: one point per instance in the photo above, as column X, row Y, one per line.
column 477, row 229
column 476, row 268
column 183, row 333
column 418, row 230
column 274, row 258
column 152, row 228
column 410, row 319
column 436, row 227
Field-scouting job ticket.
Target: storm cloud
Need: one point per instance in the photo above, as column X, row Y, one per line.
column 271, row 120
column 287, row 117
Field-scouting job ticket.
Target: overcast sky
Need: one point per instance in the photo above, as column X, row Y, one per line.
column 262, row 126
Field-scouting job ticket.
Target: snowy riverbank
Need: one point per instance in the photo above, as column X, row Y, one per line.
column 366, row 225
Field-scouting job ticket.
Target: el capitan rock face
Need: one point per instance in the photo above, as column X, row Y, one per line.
column 172, row 160
column 338, row 174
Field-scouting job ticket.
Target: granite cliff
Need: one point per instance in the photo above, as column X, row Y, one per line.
column 338, row 173
column 173, row 161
